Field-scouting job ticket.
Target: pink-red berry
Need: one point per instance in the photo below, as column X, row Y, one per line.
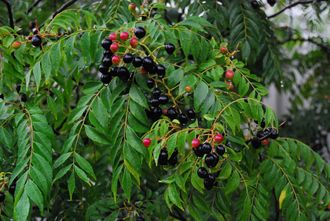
column 124, row 36
column 223, row 50
column 132, row 7
column 195, row 143
column 229, row 74
column 16, row 44
column 146, row 142
column 113, row 36
column 218, row 138
column 115, row 59
column 114, row 47
column 134, row 42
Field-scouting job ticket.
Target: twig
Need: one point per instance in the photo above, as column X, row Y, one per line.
column 293, row 5
column 63, row 7
column 311, row 40
column 10, row 13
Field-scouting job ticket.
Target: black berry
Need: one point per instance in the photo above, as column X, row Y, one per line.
column 271, row 2
column 255, row 142
column 128, row 58
column 106, row 43
column 162, row 160
column 140, row 32
column 163, row 99
column 107, row 54
column 156, row 113
column 24, row 98
column 209, row 181
column 183, row 119
column 106, row 62
column 211, row 160
column 170, row 48
column 191, row 114
column 255, row 4
column 123, row 73
column 2, row 197
column 206, row 147
column 148, row 64
column 174, row 158
column 2, row 96
column 137, row 62
column 114, row 71
column 105, row 78
column 172, row 113
column 36, row 41
column 154, row 102
column 160, row 70
column 202, row 172
column 156, row 92
column 199, row 151
column 103, row 69
column 35, row 31
column 273, row 133
column 150, row 83
column 220, row 149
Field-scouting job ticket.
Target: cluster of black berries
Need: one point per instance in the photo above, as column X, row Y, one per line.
column 164, row 160
column 35, row 39
column 262, row 137
column 209, row 178
column 156, row 99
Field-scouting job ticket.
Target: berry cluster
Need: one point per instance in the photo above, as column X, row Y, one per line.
column 262, row 137
column 164, row 160
column 211, row 159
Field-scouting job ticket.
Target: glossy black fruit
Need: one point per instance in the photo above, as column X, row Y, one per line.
column 156, row 93
column 255, row 4
column 174, row 158
column 114, row 71
column 35, row 31
column 163, row 99
column 154, row 102
column 105, row 78
column 206, row 147
column 255, row 142
column 103, row 69
column 106, row 62
column 139, row 32
column 156, row 113
column 172, row 113
column 202, row 172
column 107, row 54
column 36, row 41
column 128, row 58
column 211, row 160
column 170, row 48
column 271, row 2
column 150, row 83
column 123, row 73
column 191, row 114
column 148, row 64
column 137, row 62
column 209, row 182
column 263, row 123
column 2, row 197
column 220, row 149
column 162, row 160
column 199, row 151
column 183, row 119
column 106, row 43
column 273, row 133
column 24, row 98
column 160, row 70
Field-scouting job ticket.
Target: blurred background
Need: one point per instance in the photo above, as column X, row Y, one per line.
column 285, row 42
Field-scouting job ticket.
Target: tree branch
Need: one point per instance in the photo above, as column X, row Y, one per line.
column 63, row 7
column 311, row 40
column 10, row 13
column 293, row 5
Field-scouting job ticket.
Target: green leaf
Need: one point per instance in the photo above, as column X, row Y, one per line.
column 200, row 95
column 22, row 208
column 71, row 185
column 233, row 183
column 34, row 194
column 85, row 165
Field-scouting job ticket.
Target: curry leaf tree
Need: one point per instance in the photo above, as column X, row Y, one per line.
column 132, row 118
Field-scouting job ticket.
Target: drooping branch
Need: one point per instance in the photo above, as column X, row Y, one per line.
column 10, row 13
column 293, row 5
column 323, row 46
column 63, row 7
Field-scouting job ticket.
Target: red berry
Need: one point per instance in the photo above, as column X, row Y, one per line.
column 146, row 142
column 134, row 42
column 229, row 74
column 114, row 47
column 16, row 44
column 115, row 59
column 218, row 138
column 223, row 50
column 124, row 36
column 113, row 36
column 195, row 143
column 265, row 142
column 132, row 7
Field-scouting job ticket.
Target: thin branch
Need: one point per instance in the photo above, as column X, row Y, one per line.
column 311, row 40
column 10, row 13
column 63, row 7
column 293, row 5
